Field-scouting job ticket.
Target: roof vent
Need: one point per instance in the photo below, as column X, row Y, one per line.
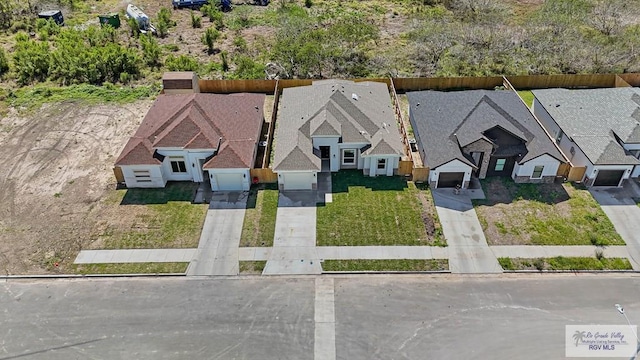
column 354, row 96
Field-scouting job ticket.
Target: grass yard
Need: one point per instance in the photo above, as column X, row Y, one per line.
column 133, row 268
column 252, row 267
column 386, row 265
column 371, row 211
column 260, row 218
column 565, row 263
column 542, row 214
column 154, row 218
column 527, row 96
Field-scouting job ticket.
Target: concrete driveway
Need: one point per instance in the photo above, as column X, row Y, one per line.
column 468, row 249
column 217, row 252
column 623, row 212
column 294, row 243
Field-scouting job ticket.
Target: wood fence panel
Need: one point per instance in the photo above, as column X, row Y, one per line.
column 117, row 172
column 576, row 173
column 632, row 79
column 620, row 82
column 272, row 127
column 264, row 175
column 420, row 174
column 237, row 86
column 405, row 168
column 563, row 170
column 443, row 83
column 562, row 81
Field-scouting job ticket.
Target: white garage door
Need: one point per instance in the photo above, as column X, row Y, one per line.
column 229, row 182
column 298, row 181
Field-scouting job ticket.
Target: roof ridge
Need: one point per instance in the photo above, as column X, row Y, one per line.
column 210, row 121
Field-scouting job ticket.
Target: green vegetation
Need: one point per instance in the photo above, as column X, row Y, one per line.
column 371, row 211
column 527, row 96
column 166, row 219
column 542, row 214
column 385, row 265
column 565, row 263
column 132, row 268
column 259, row 224
column 252, row 267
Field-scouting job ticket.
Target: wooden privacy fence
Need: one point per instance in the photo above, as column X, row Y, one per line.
column 400, row 120
column 576, row 173
column 265, row 175
column 420, row 174
column 405, row 168
column 563, row 170
column 117, row 172
column 442, row 83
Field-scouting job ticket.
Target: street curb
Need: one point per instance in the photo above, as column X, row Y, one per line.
column 88, row 276
column 570, row 271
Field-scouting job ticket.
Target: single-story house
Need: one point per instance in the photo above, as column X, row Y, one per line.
column 332, row 125
column 595, row 128
column 195, row 137
column 480, row 133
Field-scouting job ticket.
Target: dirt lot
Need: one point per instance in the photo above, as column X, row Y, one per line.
column 57, row 169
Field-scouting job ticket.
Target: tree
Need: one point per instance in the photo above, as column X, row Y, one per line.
column 31, row 59
column 209, row 38
column 150, row 50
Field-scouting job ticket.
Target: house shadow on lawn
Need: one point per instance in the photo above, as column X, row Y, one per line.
column 501, row 190
column 344, row 178
column 174, row 191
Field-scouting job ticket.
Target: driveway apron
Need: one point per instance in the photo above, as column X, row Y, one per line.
column 623, row 212
column 218, row 248
column 294, row 243
column 468, row 249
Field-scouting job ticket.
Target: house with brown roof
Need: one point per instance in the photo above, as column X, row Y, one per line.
column 195, row 137
column 332, row 125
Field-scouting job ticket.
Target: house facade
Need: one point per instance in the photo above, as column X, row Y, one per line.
column 598, row 129
column 195, row 137
column 480, row 133
column 333, row 125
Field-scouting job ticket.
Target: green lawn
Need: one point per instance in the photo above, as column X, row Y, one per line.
column 371, row 211
column 542, row 214
column 153, row 218
column 527, row 96
column 252, row 267
column 386, row 265
column 133, row 268
column 565, row 263
column 260, row 219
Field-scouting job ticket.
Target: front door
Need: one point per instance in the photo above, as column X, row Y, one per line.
column 325, row 152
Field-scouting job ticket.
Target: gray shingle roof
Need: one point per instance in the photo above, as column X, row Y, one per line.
column 358, row 112
column 447, row 121
column 593, row 118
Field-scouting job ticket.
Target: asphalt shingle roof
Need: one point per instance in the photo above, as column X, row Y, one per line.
column 593, row 118
column 358, row 112
column 447, row 121
column 199, row 121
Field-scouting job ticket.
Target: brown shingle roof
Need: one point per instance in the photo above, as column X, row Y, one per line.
column 199, row 121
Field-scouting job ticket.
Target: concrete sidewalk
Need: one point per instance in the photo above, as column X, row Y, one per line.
column 355, row 253
column 623, row 212
column 468, row 249
column 218, row 247
column 134, row 256
column 534, row 251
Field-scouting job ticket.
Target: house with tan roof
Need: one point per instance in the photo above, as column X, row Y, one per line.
column 195, row 137
column 332, row 125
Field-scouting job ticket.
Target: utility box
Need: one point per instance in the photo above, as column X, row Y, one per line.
column 56, row 15
column 110, row 19
column 180, row 82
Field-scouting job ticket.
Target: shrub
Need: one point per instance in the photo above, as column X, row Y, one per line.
column 196, row 21
column 181, row 63
column 4, row 62
column 209, row 38
column 150, row 50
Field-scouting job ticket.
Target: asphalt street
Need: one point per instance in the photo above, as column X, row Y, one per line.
column 375, row 317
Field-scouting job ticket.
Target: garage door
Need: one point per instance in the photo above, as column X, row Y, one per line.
column 229, row 182
column 450, row 179
column 298, row 181
column 608, row 178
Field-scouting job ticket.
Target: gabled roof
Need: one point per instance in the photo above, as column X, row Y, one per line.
column 199, row 121
column 448, row 121
column 358, row 113
column 595, row 119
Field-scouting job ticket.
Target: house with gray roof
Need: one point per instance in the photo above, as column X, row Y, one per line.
column 332, row 125
column 595, row 128
column 480, row 133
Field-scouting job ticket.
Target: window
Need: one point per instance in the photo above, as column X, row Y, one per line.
column 500, row 164
column 348, row 157
column 177, row 164
column 537, row 172
column 382, row 164
column 142, row 176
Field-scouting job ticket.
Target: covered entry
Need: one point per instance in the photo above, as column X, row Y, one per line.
column 608, row 178
column 450, row 179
